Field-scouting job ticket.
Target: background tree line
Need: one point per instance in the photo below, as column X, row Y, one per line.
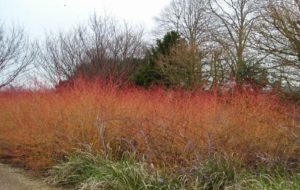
column 203, row 43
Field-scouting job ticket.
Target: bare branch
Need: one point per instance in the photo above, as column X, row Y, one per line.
column 15, row 55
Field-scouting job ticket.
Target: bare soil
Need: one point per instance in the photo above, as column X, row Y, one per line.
column 17, row 179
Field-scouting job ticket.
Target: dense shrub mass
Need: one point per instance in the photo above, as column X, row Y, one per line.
column 166, row 128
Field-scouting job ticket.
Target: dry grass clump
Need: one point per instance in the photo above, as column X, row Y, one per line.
column 164, row 127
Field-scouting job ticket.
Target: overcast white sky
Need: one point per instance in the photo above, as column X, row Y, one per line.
column 40, row 16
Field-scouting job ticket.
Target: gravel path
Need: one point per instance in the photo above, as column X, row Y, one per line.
column 16, row 179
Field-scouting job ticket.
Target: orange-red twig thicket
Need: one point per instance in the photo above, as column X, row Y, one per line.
column 164, row 127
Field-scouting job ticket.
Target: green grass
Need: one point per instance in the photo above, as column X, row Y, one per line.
column 86, row 171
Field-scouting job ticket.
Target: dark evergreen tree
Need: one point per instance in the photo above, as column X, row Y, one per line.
column 148, row 73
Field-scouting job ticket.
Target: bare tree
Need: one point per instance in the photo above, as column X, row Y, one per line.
column 104, row 48
column 216, row 67
column 220, row 32
column 279, row 37
column 187, row 17
column 233, row 31
column 15, row 55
